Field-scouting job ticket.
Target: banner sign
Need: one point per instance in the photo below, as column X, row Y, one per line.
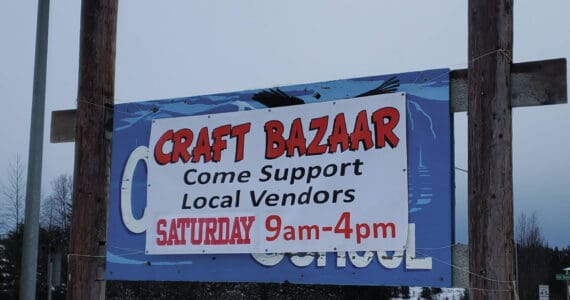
column 289, row 179
column 341, row 182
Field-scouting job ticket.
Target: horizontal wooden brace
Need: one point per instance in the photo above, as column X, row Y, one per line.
column 532, row 83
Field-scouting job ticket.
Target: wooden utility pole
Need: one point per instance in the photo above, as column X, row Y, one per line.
column 490, row 184
column 94, row 125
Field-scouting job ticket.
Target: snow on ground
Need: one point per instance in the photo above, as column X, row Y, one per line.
column 446, row 294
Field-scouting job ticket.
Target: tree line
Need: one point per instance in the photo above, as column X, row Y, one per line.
column 55, row 222
column 537, row 263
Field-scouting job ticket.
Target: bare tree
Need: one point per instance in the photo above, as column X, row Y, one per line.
column 56, row 210
column 13, row 192
column 533, row 255
column 528, row 231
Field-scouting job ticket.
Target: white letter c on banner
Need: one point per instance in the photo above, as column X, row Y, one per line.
column 132, row 224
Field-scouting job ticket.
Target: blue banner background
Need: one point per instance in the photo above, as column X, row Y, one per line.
column 430, row 182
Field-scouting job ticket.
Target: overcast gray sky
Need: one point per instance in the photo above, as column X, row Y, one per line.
column 181, row 48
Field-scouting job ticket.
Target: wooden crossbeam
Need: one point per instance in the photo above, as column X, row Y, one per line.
column 533, row 83
column 63, row 126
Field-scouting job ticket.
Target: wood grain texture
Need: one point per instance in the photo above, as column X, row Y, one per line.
column 92, row 149
column 62, row 126
column 490, row 186
column 532, row 83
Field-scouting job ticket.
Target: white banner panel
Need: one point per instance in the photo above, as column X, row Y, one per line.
column 316, row 177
